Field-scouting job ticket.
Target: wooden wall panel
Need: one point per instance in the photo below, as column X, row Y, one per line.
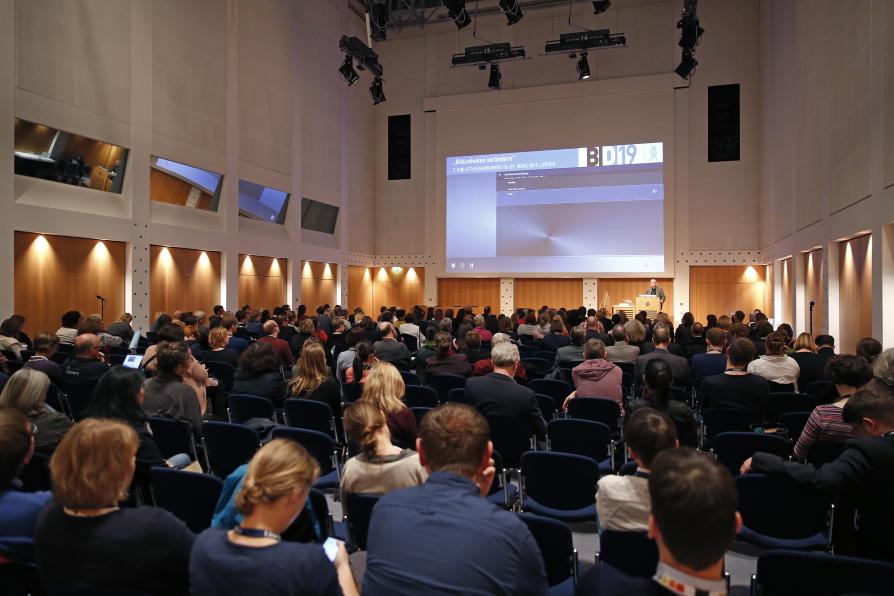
column 33, row 138
column 478, row 292
column 370, row 288
column 262, row 281
column 788, row 294
column 815, row 291
column 183, row 279
column 318, row 284
column 54, row 274
column 768, row 294
column 360, row 289
column 164, row 188
column 856, row 292
column 555, row 293
column 612, row 291
column 722, row 290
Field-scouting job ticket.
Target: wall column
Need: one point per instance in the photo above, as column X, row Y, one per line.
column 590, row 297
column 799, row 283
column 833, row 287
column 7, row 146
column 883, row 284
column 507, row 296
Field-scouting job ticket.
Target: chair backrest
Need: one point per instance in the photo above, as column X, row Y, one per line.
column 565, row 373
column 457, row 396
column 626, row 367
column 822, row 391
column 780, row 387
column 556, row 389
column 537, row 368
column 823, row 452
column 79, row 395
column 627, row 468
column 780, row 508
column 410, row 378
column 191, row 497
column 633, row 553
column 172, row 436
column 320, row 506
column 787, row 572
column 731, row 449
column 351, row 391
column 35, row 476
column 597, row 409
column 794, row 423
column 411, row 341
column 417, row 396
column 116, row 359
column 443, row 383
column 419, row 414
column 223, row 372
column 561, row 481
column 546, row 354
column 228, row 445
column 510, row 438
column 242, row 406
column 310, row 414
column 725, row 420
column 359, row 510
column 547, row 406
column 57, row 400
column 60, row 357
column 319, row 445
column 583, row 437
column 556, row 546
column 781, row 403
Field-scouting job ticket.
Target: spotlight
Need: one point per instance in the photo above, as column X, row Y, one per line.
column 376, row 91
column 600, row 6
column 512, row 11
column 583, row 67
column 690, row 32
column 456, row 10
column 687, row 65
column 496, row 77
column 347, row 71
column 378, row 20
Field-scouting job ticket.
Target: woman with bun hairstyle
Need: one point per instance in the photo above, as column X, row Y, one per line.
column 657, row 380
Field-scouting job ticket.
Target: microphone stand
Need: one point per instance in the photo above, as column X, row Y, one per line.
column 812, row 304
column 102, row 307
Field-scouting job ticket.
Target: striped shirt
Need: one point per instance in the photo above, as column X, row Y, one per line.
column 824, row 424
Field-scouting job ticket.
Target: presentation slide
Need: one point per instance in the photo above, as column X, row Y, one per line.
column 580, row 209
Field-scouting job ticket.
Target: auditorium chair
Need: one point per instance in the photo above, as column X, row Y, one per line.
column 794, row 423
column 411, row 341
column 732, row 449
column 310, row 414
column 597, row 409
column 537, row 368
column 796, row 573
column 510, row 438
column 223, row 372
column 502, row 492
column 556, row 389
column 79, row 395
column 633, row 553
column 410, row 378
column 228, row 445
column 358, row 513
column 443, row 383
column 321, row 447
column 419, row 414
column 559, row 485
column 583, row 437
column 242, row 407
column 824, row 392
column 173, row 436
column 723, row 420
column 823, row 452
column 189, row 496
column 456, row 396
column 351, row 392
column 782, row 403
column 556, row 543
column 547, row 406
column 417, row 396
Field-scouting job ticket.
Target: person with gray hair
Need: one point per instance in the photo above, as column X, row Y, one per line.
column 26, row 391
column 573, row 354
column 486, row 365
column 498, row 396
column 621, row 351
column 883, row 367
column 391, row 350
column 478, row 322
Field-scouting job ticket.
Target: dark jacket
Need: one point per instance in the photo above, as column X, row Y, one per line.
column 454, row 364
column 269, row 384
column 678, row 364
column 393, row 351
column 83, row 370
column 167, row 396
column 497, row 396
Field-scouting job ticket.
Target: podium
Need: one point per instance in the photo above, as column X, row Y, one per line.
column 649, row 303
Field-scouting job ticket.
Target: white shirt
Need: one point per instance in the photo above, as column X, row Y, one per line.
column 780, row 369
column 410, row 329
column 623, row 503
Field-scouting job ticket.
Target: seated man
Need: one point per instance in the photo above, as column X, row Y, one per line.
column 697, row 344
column 88, row 363
column 622, row 502
column 737, row 388
column 486, row 366
column 621, row 350
column 69, row 329
column 596, row 376
column 712, row 361
column 572, row 355
column 693, row 521
column 679, row 365
column 391, row 350
column 443, row 537
column 280, row 346
column 498, row 395
column 166, row 394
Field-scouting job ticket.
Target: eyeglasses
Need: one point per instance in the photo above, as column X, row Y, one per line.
column 33, row 430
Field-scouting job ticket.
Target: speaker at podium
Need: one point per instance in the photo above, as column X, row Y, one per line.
column 649, row 303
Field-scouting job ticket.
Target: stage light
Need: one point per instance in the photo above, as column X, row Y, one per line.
column 600, row 6
column 687, row 65
column 378, row 20
column 396, row 269
column 512, row 11
column 583, row 67
column 690, row 32
column 376, row 91
column 456, row 10
column 347, row 71
column 496, row 77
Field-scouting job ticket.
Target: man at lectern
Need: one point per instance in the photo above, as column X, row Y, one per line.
column 655, row 290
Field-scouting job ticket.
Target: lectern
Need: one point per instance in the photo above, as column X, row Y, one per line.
column 649, row 303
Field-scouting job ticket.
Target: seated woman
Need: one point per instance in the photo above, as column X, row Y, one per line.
column 165, row 393
column 26, row 391
column 473, row 350
column 530, row 327
column 195, row 375
column 657, row 379
column 385, row 389
column 557, row 336
column 311, row 378
column 810, row 366
column 218, row 338
column 364, row 360
column 780, row 370
column 85, row 539
column 45, row 345
column 9, row 338
column 259, row 374
column 381, row 466
column 849, row 373
column 251, row 558
column 444, row 362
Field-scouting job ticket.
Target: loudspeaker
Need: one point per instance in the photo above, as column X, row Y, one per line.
column 399, row 147
column 723, row 123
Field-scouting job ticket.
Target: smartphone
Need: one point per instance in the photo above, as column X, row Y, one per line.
column 330, row 547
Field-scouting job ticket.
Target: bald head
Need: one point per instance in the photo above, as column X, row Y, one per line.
column 85, row 343
column 271, row 328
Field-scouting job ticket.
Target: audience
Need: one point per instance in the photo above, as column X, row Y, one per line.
column 572, row 354
column 259, row 374
column 825, row 348
column 305, row 331
column 69, row 329
column 26, row 391
column 444, row 361
column 281, row 348
column 869, row 348
column 530, row 328
column 696, row 344
column 251, row 558
column 658, row 378
column 712, row 361
column 194, row 376
column 460, row 542
column 678, row 364
column 384, row 388
column 364, row 360
column 94, row 325
column 486, row 365
column 380, row 467
column 45, row 345
column 622, row 502
column 693, row 521
column 311, row 378
column 218, row 350
column 621, row 350
column 87, row 364
column 123, row 328
column 18, row 510
column 473, row 351
column 85, row 539
column 388, row 349
column 780, row 370
column 9, row 338
column 556, row 338
column 810, row 366
column 596, row 376
column 165, row 394
column 736, row 388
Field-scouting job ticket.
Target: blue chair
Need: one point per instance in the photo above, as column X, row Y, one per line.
column 794, row 423
column 557, row 549
column 725, row 420
column 627, row 468
column 583, row 437
column 779, row 513
column 173, row 437
column 60, row 357
column 417, row 396
column 823, row 452
column 510, row 438
column 443, row 383
column 795, row 573
column 824, row 392
column 191, row 497
column 419, row 414
column 320, row 506
column 537, row 368
column 457, row 396
column 309, row 414
column 597, row 409
column 358, row 511
column 242, row 406
column 114, row 359
column 502, row 492
column 782, row 403
column 731, row 449
column 559, row 485
column 634, row 553
column 54, row 587
column 556, row 389
column 547, row 406
column 321, row 447
column 79, row 395
column 57, row 400
column 351, row 392
column 223, row 372
column 228, row 445
column 410, row 378
column 527, row 349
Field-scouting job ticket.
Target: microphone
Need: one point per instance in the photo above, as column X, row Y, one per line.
column 812, row 304
column 98, row 297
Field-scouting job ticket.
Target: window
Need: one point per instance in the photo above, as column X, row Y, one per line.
column 180, row 184
column 261, row 202
column 51, row 154
column 318, row 216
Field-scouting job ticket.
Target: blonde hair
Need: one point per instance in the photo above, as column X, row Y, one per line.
column 362, row 422
column 126, row 318
column 310, row 371
column 277, row 469
column 26, row 391
column 384, row 388
column 217, row 338
column 636, row 331
column 724, row 322
column 94, row 463
column 805, row 342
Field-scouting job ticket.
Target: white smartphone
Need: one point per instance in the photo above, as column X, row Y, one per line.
column 330, row 547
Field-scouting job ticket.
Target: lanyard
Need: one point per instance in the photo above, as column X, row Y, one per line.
column 678, row 587
column 257, row 533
